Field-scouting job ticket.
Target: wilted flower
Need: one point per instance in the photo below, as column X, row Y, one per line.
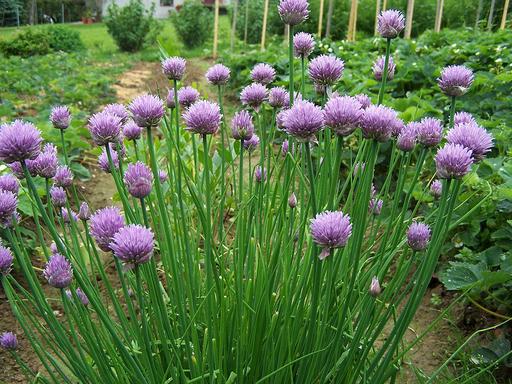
column 378, row 68
column 138, row 179
column 203, row 117
column 303, row 44
column 326, row 70
column 174, row 67
column 162, row 176
column 375, row 206
column 455, row 80
column 293, row 12
column 218, row 74
column 105, row 223
column 377, row 122
column 364, row 100
column 63, row 177
column 5, row 260
column 187, row 96
column 58, row 196
column 131, row 130
column 303, row 120
column 471, row 136
column 263, row 73
column 80, row 294
column 133, row 244
column 463, row 117
column 429, row 132
column 58, row 271
column 342, row 114
column 418, row 236
column 253, row 95
column 436, row 188
column 390, row 23
column 118, row 110
column 292, row 200
column 60, row 117
column 104, row 128
column 104, row 163
column 19, row 141
column 453, row 161
column 242, row 127
column 8, row 341
column 84, row 213
column 330, row 230
column 252, row 143
column 147, row 110
column 260, row 174
column 375, row 287
column 279, row 97
column 9, row 183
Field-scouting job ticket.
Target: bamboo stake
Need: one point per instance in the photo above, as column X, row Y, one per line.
column 264, row 27
column 504, row 16
column 491, row 15
column 351, row 35
column 377, row 12
column 330, row 10
column 439, row 15
column 216, row 29
column 233, row 25
column 408, row 19
column 320, row 18
column 246, row 28
column 478, row 12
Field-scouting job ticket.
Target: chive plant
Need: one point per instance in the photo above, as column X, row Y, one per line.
column 243, row 262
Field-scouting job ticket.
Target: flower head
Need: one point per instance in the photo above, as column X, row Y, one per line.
column 9, row 183
column 138, row 179
column 60, row 117
column 453, row 161
column 174, row 67
column 8, row 341
column 147, row 110
column 397, row 127
column 105, row 223
column 325, row 70
column 118, row 110
column 260, row 174
column 170, row 101
column 58, row 196
column 330, row 230
column 218, row 74
column 63, row 177
column 407, row 138
column 251, row 144
column 58, row 271
column 292, row 200
column 343, row 114
column 436, row 188
column 285, row 147
column 375, row 206
column 133, row 244
column 378, row 68
column 377, row 122
column 463, row 117
column 5, row 260
column 418, row 236
column 263, row 73
column 104, row 128
column 203, row 117
column 242, row 127
column 19, row 141
column 364, row 100
column 253, row 95
column 429, row 132
column 132, row 131
column 8, row 204
column 46, row 164
column 303, row 44
column 293, row 12
column 104, row 163
column 471, row 136
column 279, row 97
column 80, row 294
column 374, row 287
column 84, row 213
column 187, row 96
column 390, row 23
column 162, row 176
column 67, row 216
column 303, row 120
column 455, row 80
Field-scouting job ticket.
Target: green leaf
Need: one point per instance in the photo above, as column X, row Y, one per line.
column 461, row 275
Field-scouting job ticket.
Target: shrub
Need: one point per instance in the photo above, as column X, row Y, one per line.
column 30, row 42
column 131, row 26
column 64, row 39
column 193, row 23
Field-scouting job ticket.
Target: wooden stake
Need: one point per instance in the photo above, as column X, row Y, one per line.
column 320, row 18
column 478, row 12
column 351, row 35
column 439, row 15
column 216, row 29
column 504, row 15
column 233, row 25
column 377, row 12
column 264, row 27
column 408, row 19
column 330, row 10
column 246, row 28
column 491, row 15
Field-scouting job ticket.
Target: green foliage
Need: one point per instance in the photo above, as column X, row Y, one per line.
column 64, row 39
column 193, row 23
column 132, row 26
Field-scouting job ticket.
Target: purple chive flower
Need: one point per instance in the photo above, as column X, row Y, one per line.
column 364, row 100
column 377, row 122
column 118, row 110
column 325, row 70
column 174, row 67
column 60, row 117
column 397, row 127
column 280, row 117
column 455, row 80
column 132, row 131
column 138, row 179
column 104, row 128
column 407, row 138
column 147, row 110
column 170, row 101
column 242, row 127
column 303, row 120
column 45, row 165
column 9, row 183
column 104, row 163
column 429, row 132
column 263, row 73
column 463, row 118
column 133, row 244
column 375, row 206
column 375, row 289
column 19, row 141
column 279, row 97
column 58, row 271
column 292, row 200
column 187, row 96
column 343, row 114
column 471, row 136
column 293, row 12
column 260, row 175
column 203, row 117
column 359, row 166
column 330, row 230
column 80, row 294
column 8, row 204
column 285, row 147
column 67, row 216
column 105, row 223
column 162, row 176
column 303, row 44
column 253, row 95
column 218, row 74
column 418, row 236
column 453, row 161
column 84, row 213
column 390, row 23
column 251, row 144
column 5, row 260
column 53, row 248
column 378, row 68
column 63, row 177
column 8, row 341
column 58, row 196
column 436, row 188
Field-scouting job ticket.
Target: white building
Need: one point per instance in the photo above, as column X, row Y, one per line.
column 162, row 7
